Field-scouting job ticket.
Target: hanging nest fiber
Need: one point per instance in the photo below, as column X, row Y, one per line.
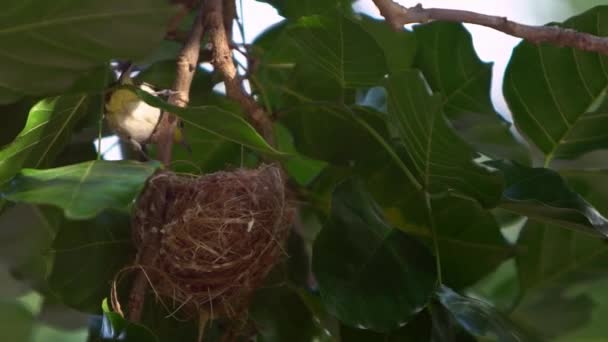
column 220, row 234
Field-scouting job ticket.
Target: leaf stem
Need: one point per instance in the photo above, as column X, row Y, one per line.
column 429, row 209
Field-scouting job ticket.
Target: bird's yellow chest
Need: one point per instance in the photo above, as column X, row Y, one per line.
column 130, row 117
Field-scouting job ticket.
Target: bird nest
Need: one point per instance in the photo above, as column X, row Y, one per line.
column 220, row 235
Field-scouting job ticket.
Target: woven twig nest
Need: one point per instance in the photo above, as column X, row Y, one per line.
column 220, row 235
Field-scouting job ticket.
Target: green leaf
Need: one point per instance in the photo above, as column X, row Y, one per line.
column 448, row 60
column 479, row 318
column 592, row 184
column 469, row 238
column 340, row 48
column 277, row 56
column 557, row 268
column 215, row 120
column 542, row 194
column 48, row 129
column 114, row 327
column 336, row 134
column 399, row 46
column 301, row 169
column 47, row 46
column 82, row 190
column 280, row 315
column 26, row 235
column 439, row 159
column 370, row 275
column 17, row 321
column 470, row 242
column 296, row 9
column 86, row 257
column 419, row 329
column 336, row 55
column 558, row 95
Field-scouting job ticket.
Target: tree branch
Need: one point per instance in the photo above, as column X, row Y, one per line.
column 187, row 61
column 398, row 16
column 223, row 63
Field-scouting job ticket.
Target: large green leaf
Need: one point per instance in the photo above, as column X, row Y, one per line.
column 399, row 47
column 479, row 318
column 592, row 184
column 441, row 161
column 469, row 239
column 281, row 315
column 419, row 329
column 296, row 9
column 48, row 129
column 46, row 46
column 370, row 275
column 86, row 255
column 17, row 321
column 277, row 56
column 82, row 190
column 557, row 269
column 543, row 195
column 26, row 235
column 558, row 95
column 336, row 54
column 336, row 134
column 446, row 56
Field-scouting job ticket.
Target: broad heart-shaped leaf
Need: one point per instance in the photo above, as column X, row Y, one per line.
column 479, row 318
column 542, row 194
column 370, row 275
column 336, row 56
column 558, row 95
column 86, row 255
column 447, row 58
column 337, row 134
column 441, row 161
column 47, row 130
column 469, row 238
column 215, row 120
column 82, row 190
column 46, row 46
column 296, row 9
column 557, row 270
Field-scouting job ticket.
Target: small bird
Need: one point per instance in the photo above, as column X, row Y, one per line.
column 133, row 120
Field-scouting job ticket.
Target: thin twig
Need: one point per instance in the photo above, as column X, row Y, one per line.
column 187, row 61
column 224, row 64
column 398, row 16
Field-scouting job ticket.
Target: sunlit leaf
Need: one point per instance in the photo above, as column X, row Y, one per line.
column 82, row 190
column 558, row 95
column 48, row 129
